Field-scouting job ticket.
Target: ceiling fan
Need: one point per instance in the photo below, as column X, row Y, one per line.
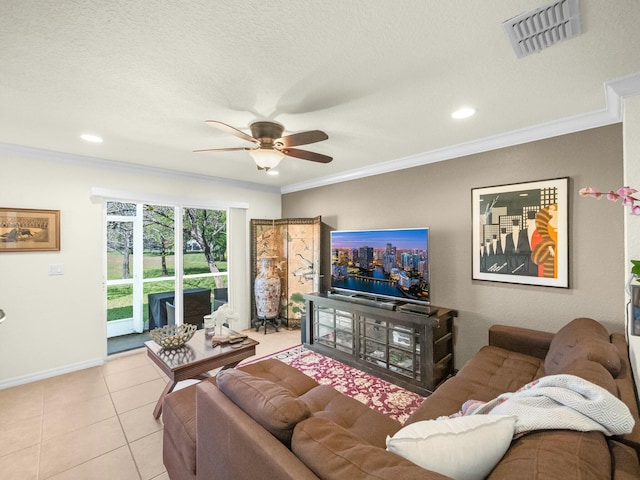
column 269, row 144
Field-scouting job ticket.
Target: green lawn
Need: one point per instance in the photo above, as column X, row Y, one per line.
column 120, row 297
column 194, row 262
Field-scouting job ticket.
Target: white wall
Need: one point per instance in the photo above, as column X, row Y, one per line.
column 632, row 223
column 57, row 323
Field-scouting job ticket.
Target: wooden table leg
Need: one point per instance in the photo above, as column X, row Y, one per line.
column 229, row 365
column 167, row 390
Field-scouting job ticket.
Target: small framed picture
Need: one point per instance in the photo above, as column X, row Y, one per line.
column 27, row 230
column 520, row 233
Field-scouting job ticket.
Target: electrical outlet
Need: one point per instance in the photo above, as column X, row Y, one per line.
column 56, row 269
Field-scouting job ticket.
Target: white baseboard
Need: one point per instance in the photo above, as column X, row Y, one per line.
column 34, row 377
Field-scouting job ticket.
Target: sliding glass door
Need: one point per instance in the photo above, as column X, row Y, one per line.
column 165, row 264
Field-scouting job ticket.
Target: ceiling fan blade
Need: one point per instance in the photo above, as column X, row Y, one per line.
column 221, row 149
column 306, row 155
column 302, row 138
column 229, row 129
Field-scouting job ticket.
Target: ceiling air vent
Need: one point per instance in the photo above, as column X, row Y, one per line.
column 543, row 27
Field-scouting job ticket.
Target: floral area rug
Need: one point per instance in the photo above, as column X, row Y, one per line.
column 375, row 393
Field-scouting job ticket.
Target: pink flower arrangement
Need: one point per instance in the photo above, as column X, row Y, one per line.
column 625, row 194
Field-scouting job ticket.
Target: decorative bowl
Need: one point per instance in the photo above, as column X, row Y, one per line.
column 173, row 336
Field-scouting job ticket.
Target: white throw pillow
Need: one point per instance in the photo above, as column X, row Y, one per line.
column 464, row 448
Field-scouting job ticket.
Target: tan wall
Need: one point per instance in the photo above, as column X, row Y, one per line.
column 439, row 196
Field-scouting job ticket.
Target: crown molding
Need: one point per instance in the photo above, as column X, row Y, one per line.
column 69, row 158
column 615, row 91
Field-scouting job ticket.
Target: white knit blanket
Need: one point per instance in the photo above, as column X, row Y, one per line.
column 558, row 402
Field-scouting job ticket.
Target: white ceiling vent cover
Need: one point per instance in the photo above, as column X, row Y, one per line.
column 543, row 27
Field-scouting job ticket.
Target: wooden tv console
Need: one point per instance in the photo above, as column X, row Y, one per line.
column 410, row 349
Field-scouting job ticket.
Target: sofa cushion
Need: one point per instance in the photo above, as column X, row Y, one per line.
column 500, row 369
column 371, row 426
column 332, row 452
column 625, row 460
column 272, row 406
column 179, row 409
column 464, row 448
column 491, row 371
column 594, row 372
column 581, row 338
column 593, row 350
column 282, row 374
column 555, row 455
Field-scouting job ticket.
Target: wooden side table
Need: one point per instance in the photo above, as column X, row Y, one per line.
column 195, row 359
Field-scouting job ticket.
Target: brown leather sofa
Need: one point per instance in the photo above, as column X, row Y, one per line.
column 267, row 420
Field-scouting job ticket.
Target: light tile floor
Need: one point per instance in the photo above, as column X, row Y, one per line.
column 96, row 423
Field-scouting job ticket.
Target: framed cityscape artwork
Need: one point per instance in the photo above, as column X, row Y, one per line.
column 27, row 230
column 520, row 233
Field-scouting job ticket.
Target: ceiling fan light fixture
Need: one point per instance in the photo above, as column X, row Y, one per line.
column 266, row 157
column 269, row 144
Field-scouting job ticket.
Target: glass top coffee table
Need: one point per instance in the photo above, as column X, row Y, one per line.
column 196, row 358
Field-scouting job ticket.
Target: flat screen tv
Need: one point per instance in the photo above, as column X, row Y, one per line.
column 389, row 264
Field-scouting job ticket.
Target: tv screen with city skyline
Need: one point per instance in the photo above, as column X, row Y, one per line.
column 385, row 263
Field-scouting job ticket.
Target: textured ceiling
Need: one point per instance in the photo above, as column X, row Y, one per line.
column 381, row 78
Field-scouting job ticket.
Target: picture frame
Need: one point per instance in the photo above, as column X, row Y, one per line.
column 29, row 230
column 520, row 233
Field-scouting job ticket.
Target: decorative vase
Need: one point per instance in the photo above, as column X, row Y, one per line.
column 267, row 290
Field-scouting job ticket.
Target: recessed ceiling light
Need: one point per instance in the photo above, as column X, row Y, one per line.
column 464, row 112
column 272, row 172
column 91, row 138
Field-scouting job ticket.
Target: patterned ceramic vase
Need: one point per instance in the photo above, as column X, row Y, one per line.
column 267, row 290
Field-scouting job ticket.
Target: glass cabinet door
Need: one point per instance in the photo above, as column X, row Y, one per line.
column 390, row 345
column 333, row 328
